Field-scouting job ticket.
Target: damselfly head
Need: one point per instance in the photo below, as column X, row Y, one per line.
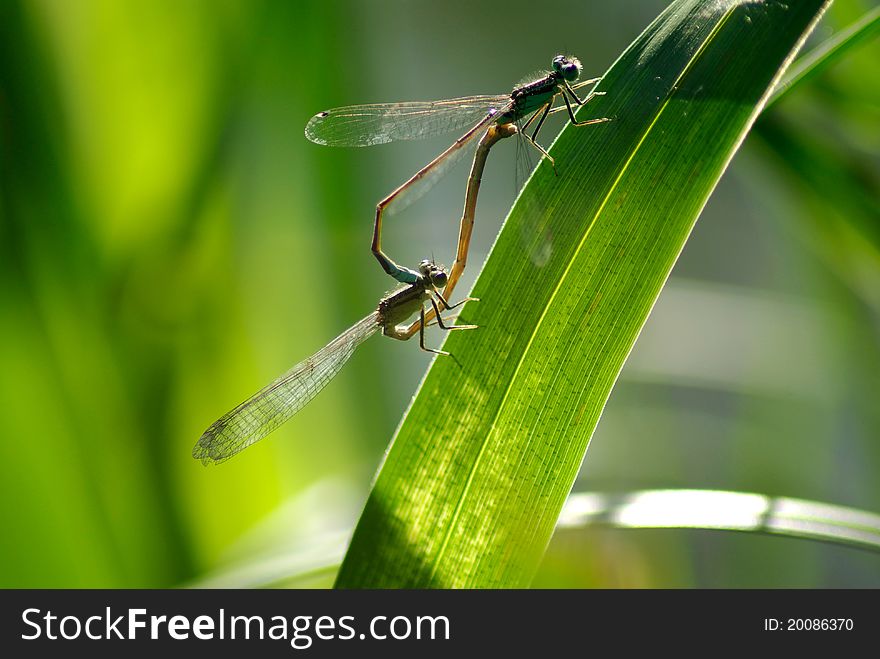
column 439, row 278
column 434, row 273
column 566, row 66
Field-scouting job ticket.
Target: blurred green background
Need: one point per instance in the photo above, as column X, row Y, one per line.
column 170, row 242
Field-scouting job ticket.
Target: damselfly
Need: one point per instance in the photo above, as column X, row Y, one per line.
column 366, row 125
column 279, row 401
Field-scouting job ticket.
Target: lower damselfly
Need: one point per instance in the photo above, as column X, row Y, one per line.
column 279, row 401
column 378, row 123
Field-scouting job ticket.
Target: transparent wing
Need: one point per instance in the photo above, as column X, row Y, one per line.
column 421, row 186
column 276, row 403
column 366, row 125
column 433, row 172
column 427, row 176
column 536, row 231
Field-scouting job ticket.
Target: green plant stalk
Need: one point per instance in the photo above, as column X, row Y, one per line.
column 472, row 486
column 711, row 510
column 746, row 512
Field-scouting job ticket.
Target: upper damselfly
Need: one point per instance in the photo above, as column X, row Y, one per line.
column 378, row 123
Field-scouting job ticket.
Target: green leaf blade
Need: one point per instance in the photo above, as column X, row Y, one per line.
column 472, row 487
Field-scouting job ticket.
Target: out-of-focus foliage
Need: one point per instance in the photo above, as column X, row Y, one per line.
column 169, row 242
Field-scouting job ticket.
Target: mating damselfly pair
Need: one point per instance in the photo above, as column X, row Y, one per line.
column 494, row 117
